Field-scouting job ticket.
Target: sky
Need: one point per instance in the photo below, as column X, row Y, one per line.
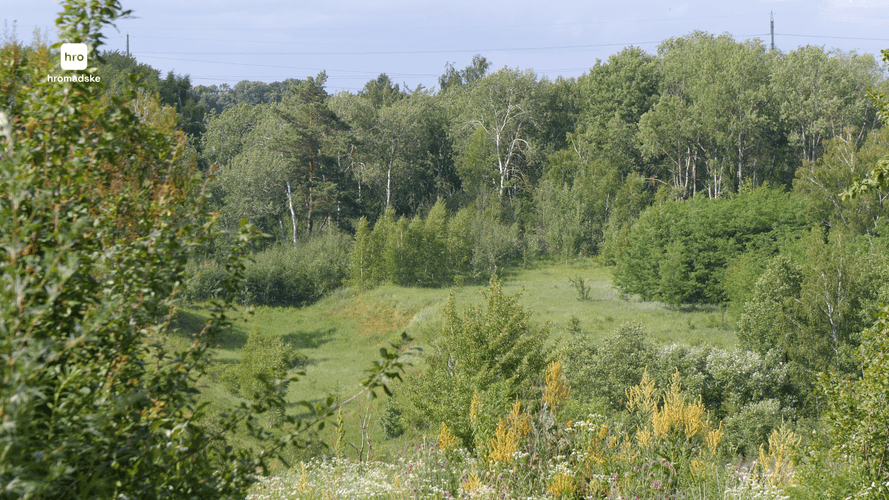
column 226, row 41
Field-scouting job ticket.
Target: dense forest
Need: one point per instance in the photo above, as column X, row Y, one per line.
column 714, row 175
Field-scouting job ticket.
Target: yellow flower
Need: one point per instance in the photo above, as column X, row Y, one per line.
column 446, row 440
column 518, row 420
column 776, row 465
column 472, row 483
column 557, row 389
column 505, row 443
column 641, row 397
column 562, row 485
column 473, row 407
column 714, row 437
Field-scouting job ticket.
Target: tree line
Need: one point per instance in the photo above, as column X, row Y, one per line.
column 703, row 116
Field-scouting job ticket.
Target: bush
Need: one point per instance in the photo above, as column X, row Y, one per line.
column 203, row 282
column 282, row 275
column 609, row 370
column 263, row 355
column 728, row 380
column 489, row 349
column 98, row 216
column 678, row 252
column 287, row 275
column 432, row 251
column 752, row 425
column 391, row 421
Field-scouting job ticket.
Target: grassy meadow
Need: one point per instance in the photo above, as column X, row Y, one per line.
column 341, row 334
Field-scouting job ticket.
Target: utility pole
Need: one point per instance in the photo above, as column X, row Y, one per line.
column 772, row 23
column 128, row 44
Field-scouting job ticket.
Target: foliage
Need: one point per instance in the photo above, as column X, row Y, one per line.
column 490, row 348
column 678, row 252
column 812, row 308
column 286, row 276
column 504, row 109
column 95, row 404
column 453, row 78
column 583, row 290
column 100, row 214
column 281, row 275
column 612, row 97
column 823, row 182
column 534, row 455
column 220, row 98
column 396, row 146
column 858, row 414
column 116, row 68
column 607, row 371
column 433, row 251
column 392, row 421
column 264, row 356
column 714, row 124
column 821, row 94
column 752, row 392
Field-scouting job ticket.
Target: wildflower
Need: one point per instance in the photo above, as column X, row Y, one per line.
column 446, row 439
column 504, row 444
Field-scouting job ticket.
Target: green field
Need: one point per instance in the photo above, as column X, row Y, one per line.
column 341, row 334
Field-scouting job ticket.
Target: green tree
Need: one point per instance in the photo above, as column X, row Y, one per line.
column 311, row 142
column 229, row 133
column 857, row 409
column 679, row 251
column 218, row 99
column 394, row 140
column 253, row 186
column 823, row 181
column 607, row 371
column 506, row 106
column 364, row 259
column 612, row 98
column 716, row 121
column 99, row 213
column 811, row 307
column 821, row 94
column 453, row 78
column 434, row 256
column 494, row 346
column 115, row 68
column 858, row 413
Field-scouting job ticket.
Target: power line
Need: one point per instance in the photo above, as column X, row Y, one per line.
column 837, row 37
column 484, row 26
column 229, row 40
column 395, row 52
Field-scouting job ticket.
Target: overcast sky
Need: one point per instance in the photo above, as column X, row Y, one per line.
column 225, row 41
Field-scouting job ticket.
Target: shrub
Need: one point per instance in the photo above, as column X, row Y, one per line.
column 263, row 355
column 282, row 275
column 608, row 370
column 751, row 427
column 433, row 251
column 297, row 275
column 391, row 421
column 678, row 251
column 98, row 216
column 492, row 348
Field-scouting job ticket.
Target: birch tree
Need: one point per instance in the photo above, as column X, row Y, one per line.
column 505, row 107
